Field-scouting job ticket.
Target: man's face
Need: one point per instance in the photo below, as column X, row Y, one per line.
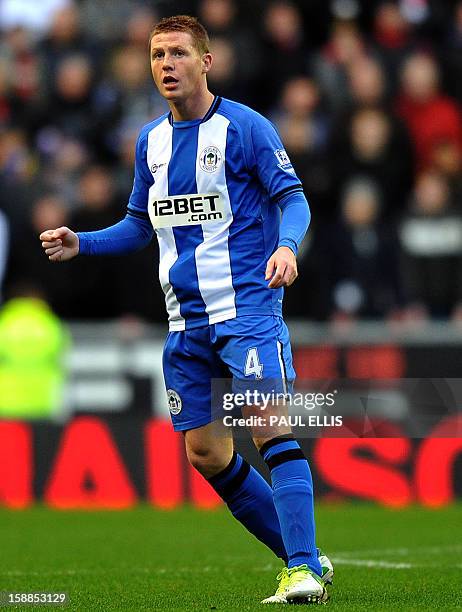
column 177, row 67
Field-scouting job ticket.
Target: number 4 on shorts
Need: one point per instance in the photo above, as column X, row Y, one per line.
column 252, row 363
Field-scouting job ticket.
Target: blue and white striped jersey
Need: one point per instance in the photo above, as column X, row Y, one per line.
column 211, row 188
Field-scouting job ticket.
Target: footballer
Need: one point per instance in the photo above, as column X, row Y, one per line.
column 214, row 183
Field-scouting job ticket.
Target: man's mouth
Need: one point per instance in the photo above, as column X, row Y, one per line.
column 169, row 80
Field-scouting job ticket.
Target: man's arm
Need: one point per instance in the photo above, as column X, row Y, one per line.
column 295, row 220
column 267, row 157
column 130, row 234
column 282, row 265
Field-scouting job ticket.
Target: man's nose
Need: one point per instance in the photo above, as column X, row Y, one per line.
column 167, row 63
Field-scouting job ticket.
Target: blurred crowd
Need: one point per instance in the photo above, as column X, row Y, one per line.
column 367, row 96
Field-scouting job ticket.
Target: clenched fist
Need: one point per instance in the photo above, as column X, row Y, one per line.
column 60, row 244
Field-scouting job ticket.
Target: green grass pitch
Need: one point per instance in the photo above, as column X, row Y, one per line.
column 144, row 559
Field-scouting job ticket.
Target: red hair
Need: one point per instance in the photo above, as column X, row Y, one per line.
column 184, row 23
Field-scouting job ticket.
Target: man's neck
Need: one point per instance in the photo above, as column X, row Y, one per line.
column 195, row 107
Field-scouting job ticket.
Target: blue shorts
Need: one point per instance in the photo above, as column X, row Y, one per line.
column 253, row 352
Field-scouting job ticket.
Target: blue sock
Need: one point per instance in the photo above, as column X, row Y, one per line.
column 250, row 499
column 293, row 499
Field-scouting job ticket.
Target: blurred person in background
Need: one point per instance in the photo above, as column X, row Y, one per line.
column 304, row 127
column 69, row 109
column 65, row 38
column 447, row 160
column 393, row 39
column 94, row 295
column 19, row 179
column 376, row 148
column 309, row 299
column 219, row 16
column 367, row 83
column 33, row 346
column 284, row 43
column 25, row 260
column 17, row 49
column 17, row 163
column 431, row 242
column 344, row 47
column 138, row 26
column 225, row 79
column 429, row 114
column 62, row 161
column 98, row 202
column 8, row 104
column 234, row 45
column 361, row 257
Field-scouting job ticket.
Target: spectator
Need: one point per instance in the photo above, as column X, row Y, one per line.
column 344, row 48
column 63, row 161
column 16, row 161
column 69, row 112
column 65, row 38
column 23, row 68
column 431, row 241
column 18, row 179
column 447, row 159
column 285, row 45
column 231, row 42
column 33, row 343
column 309, row 298
column 304, row 127
column 367, row 83
column 28, row 263
column 393, row 38
column 430, row 115
column 139, row 26
column 361, row 257
column 224, row 77
column 95, row 296
column 218, row 16
column 375, row 149
column 8, row 104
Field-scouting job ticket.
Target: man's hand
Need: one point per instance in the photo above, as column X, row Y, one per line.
column 282, row 267
column 60, row 244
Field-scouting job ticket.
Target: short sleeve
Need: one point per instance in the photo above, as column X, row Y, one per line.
column 138, row 201
column 270, row 161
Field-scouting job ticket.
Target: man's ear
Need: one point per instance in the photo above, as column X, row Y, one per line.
column 206, row 62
